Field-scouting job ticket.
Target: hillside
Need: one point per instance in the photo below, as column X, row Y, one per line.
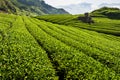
column 107, row 20
column 113, row 13
column 28, row 7
column 39, row 50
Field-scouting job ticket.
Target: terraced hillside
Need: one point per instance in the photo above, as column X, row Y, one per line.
column 102, row 24
column 36, row 49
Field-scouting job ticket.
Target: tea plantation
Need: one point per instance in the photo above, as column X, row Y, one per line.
column 33, row 49
column 101, row 25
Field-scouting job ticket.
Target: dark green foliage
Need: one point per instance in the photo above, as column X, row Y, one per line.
column 113, row 13
column 7, row 6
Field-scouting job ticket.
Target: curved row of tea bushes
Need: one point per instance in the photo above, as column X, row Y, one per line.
column 22, row 57
column 70, row 63
column 106, row 58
